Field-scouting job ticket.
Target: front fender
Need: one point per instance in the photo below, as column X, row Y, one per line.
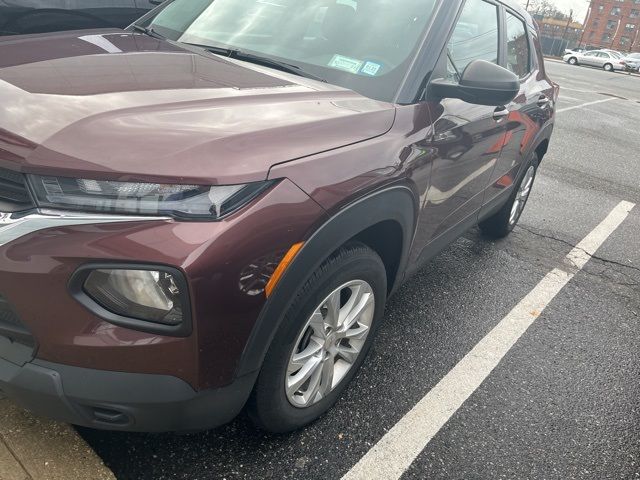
column 396, row 203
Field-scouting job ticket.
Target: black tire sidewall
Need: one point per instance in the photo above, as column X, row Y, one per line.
column 533, row 162
column 498, row 226
column 269, row 407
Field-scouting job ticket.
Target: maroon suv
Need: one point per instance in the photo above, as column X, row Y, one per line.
column 209, row 210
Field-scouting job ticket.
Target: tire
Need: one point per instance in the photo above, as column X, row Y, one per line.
column 502, row 223
column 572, row 61
column 608, row 67
column 275, row 405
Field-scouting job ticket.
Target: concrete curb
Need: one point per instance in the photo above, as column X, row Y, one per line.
column 35, row 449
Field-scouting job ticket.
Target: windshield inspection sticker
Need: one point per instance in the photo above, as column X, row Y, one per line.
column 371, row 68
column 345, row 63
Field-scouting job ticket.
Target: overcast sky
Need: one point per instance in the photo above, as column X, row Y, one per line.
column 579, row 7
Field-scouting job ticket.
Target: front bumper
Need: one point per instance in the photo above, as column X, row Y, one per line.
column 216, row 259
column 120, row 401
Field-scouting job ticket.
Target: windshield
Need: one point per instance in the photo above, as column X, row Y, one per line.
column 364, row 45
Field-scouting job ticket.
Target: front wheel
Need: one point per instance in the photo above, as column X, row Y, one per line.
column 573, row 61
column 504, row 221
column 608, row 67
column 323, row 340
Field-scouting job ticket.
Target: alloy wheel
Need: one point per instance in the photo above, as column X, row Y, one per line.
column 522, row 196
column 330, row 343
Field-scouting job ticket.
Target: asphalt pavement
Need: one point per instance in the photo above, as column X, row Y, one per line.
column 562, row 403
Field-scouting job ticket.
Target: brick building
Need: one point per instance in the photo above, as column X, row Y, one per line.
column 613, row 24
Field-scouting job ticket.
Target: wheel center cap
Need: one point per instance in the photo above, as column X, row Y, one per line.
column 330, row 341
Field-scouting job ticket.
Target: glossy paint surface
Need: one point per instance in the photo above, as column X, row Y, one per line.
column 215, row 257
column 529, row 113
column 455, row 156
column 122, row 106
column 127, row 106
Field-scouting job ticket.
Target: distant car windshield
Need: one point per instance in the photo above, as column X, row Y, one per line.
column 634, row 55
column 364, row 45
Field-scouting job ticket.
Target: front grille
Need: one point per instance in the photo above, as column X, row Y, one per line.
column 14, row 194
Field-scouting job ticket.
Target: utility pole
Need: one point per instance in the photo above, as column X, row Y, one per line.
column 635, row 40
column 585, row 23
column 566, row 29
column 613, row 39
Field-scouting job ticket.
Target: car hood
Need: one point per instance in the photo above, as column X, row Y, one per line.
column 117, row 105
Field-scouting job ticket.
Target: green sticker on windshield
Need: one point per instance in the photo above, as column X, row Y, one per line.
column 345, row 63
column 371, row 68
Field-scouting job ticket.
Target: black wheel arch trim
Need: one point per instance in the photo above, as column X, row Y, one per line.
column 396, row 203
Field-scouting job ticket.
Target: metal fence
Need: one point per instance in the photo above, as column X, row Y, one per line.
column 554, row 47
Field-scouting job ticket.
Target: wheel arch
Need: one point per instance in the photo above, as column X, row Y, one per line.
column 542, row 148
column 383, row 221
column 385, row 238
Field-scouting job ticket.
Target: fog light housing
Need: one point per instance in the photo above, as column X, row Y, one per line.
column 151, row 299
column 149, row 295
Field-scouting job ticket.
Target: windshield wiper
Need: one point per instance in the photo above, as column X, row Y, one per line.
column 147, row 31
column 260, row 60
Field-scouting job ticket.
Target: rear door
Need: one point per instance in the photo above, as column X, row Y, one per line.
column 590, row 58
column 605, row 58
column 530, row 111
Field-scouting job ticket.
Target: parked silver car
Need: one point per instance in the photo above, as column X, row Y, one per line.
column 632, row 61
column 609, row 60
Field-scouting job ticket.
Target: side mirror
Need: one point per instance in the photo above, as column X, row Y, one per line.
column 481, row 83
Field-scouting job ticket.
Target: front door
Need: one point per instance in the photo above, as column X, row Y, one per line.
column 466, row 139
column 528, row 112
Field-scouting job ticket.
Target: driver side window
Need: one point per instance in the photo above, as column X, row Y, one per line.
column 475, row 37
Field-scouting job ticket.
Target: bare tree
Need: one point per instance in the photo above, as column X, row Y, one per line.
column 546, row 8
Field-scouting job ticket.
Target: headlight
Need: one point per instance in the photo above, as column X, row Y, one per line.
column 104, row 196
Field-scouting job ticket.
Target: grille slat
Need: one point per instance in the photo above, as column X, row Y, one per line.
column 14, row 194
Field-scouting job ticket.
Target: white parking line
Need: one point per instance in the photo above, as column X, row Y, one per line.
column 585, row 105
column 567, row 97
column 397, row 450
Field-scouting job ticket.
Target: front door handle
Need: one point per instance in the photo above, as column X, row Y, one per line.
column 544, row 101
column 500, row 113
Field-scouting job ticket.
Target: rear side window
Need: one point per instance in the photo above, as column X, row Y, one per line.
column 475, row 36
column 518, row 53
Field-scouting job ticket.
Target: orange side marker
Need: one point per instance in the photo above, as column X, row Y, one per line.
column 282, row 267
